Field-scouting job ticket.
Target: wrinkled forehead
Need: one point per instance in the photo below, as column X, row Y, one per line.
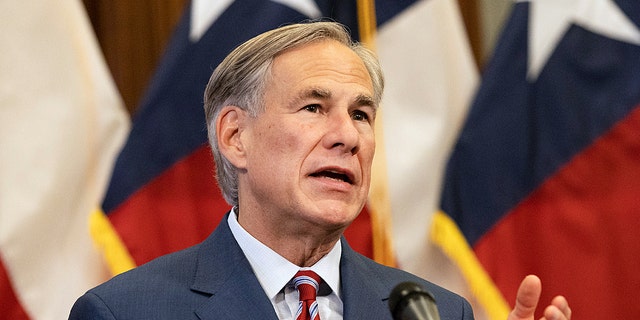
column 322, row 70
column 367, row 57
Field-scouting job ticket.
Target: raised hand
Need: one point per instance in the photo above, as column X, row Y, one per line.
column 527, row 299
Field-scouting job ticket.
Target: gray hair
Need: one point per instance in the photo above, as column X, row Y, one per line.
column 240, row 80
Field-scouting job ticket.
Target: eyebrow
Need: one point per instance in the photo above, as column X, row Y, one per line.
column 366, row 100
column 316, row 93
column 323, row 94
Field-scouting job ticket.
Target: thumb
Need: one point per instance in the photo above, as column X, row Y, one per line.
column 526, row 298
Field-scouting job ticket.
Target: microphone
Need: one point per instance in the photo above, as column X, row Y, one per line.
column 409, row 301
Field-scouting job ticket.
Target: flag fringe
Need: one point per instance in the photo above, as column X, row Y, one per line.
column 109, row 243
column 446, row 235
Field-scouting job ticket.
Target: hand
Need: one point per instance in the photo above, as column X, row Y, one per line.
column 527, row 300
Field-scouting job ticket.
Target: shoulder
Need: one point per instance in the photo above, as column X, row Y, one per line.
column 384, row 279
column 142, row 291
column 175, row 269
column 447, row 301
column 389, row 277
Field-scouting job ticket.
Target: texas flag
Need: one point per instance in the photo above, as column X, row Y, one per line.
column 545, row 176
column 62, row 123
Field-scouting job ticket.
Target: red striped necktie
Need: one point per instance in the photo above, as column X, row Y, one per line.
column 307, row 282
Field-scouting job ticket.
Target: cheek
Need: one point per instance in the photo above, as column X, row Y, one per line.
column 282, row 146
column 367, row 150
column 284, row 143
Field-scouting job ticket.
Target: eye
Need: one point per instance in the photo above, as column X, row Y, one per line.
column 359, row 115
column 314, row 108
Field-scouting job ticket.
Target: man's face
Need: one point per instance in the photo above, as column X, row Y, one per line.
column 308, row 156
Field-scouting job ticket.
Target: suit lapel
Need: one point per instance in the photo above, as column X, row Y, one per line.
column 224, row 272
column 361, row 296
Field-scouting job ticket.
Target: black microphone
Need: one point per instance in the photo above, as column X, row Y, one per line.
column 409, row 301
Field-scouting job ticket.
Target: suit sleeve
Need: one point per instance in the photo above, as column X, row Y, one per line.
column 90, row 306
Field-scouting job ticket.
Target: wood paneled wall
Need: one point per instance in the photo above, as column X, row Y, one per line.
column 133, row 35
column 471, row 16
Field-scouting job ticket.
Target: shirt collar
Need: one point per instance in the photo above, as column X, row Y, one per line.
column 274, row 271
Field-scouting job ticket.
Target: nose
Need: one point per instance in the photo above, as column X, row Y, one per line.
column 342, row 134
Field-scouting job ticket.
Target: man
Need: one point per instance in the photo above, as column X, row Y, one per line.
column 291, row 118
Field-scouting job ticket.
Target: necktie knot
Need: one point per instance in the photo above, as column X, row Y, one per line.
column 307, row 283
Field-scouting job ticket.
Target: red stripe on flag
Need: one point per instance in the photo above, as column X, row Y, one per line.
column 10, row 308
column 578, row 231
column 183, row 205
column 360, row 234
column 174, row 211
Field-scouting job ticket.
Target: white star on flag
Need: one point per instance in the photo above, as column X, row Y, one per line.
column 205, row 12
column 550, row 20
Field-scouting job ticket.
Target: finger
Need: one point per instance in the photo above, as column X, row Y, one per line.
column 558, row 310
column 552, row 313
column 561, row 303
column 527, row 298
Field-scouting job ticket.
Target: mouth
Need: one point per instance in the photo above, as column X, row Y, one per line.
column 335, row 174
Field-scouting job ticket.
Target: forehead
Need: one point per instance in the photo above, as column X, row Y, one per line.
column 324, row 61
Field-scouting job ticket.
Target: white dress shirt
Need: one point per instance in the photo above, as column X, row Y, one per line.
column 275, row 274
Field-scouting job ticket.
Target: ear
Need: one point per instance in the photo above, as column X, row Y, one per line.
column 229, row 126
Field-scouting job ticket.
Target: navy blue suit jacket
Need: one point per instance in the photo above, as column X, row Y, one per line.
column 214, row 280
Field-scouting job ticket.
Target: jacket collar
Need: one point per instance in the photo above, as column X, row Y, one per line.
column 223, row 272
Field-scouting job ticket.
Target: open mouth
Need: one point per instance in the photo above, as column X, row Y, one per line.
column 333, row 174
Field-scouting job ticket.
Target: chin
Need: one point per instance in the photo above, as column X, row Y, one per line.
column 339, row 216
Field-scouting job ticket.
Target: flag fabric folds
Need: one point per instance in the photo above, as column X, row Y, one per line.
column 545, row 174
column 62, row 123
column 430, row 79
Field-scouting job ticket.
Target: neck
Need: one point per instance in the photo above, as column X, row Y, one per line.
column 302, row 246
